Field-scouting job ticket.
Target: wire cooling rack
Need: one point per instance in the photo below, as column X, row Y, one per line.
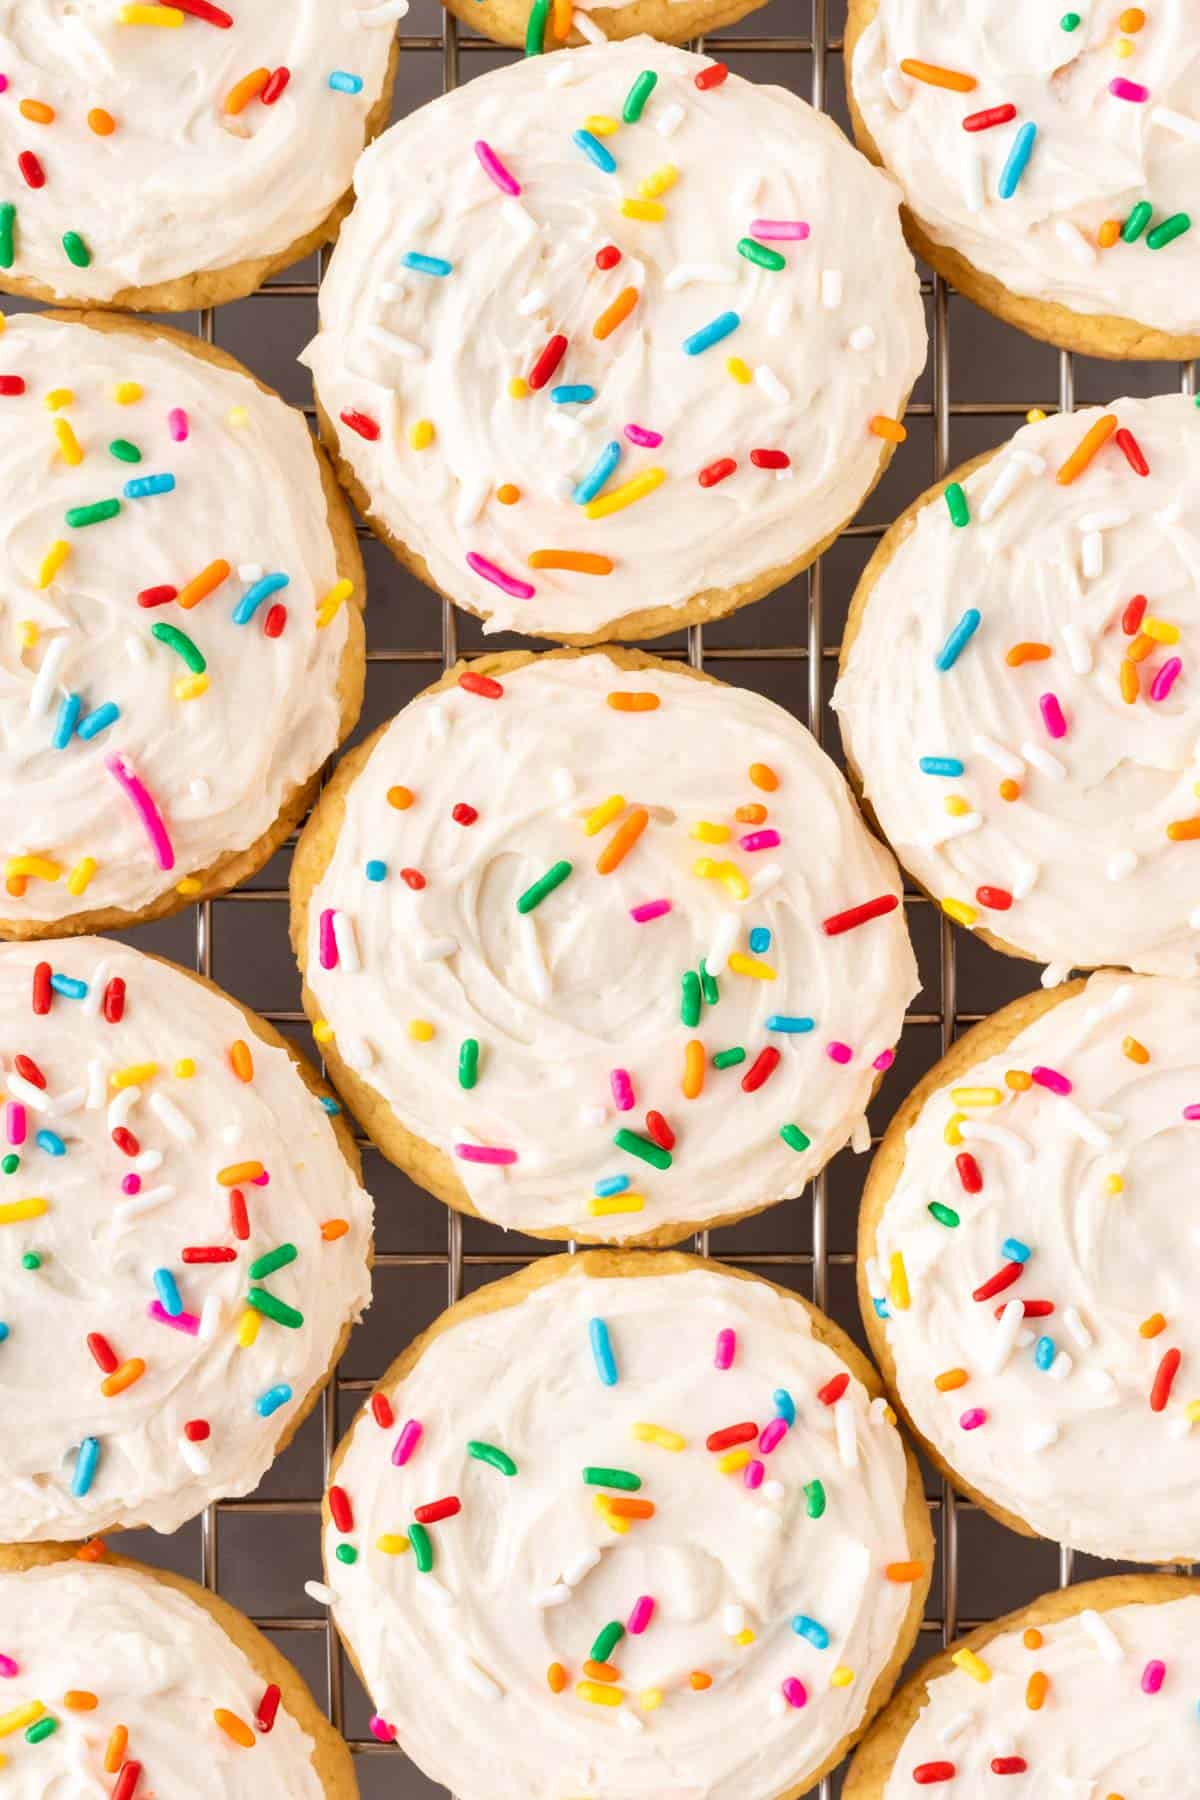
column 981, row 380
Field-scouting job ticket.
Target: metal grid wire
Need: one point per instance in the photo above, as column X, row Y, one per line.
column 811, row 658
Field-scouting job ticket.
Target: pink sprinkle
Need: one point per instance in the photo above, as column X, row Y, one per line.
column 1128, row 90
column 640, row 1617
column 8, row 1668
column 772, row 1435
column 773, row 230
column 131, row 1184
column 484, row 1153
column 14, row 1118
column 649, row 909
column 177, row 424
column 752, row 1474
column 839, row 1053
column 795, row 1692
column 760, row 840
column 496, row 169
column 328, row 943
column 121, row 769
column 1165, row 680
column 884, row 1060
column 638, row 434
column 519, row 590
column 1052, row 716
column 262, row 1180
column 184, row 1321
column 406, row 1443
column 726, row 1349
column 3, row 84
column 973, row 1418
column 382, row 1730
column 1050, row 1078
column 1191, row 1112
column 1152, row 1676
column 622, row 1090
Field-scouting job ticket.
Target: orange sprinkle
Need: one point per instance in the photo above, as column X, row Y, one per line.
column 333, row 1229
column 123, row 1378
column 1180, row 830
column 752, row 814
column 560, row 20
column 234, row 1728
column 400, row 797
column 931, row 74
column 1132, row 19
column 633, row 702
column 1035, row 1692
column 700, row 1680
column 1108, row 233
column 556, row 1678
column 622, row 841
column 904, row 1571
column 101, row 122
column 199, row 589
column 891, row 429
column 1019, row 1080
column 614, row 313
column 1010, row 790
column 764, row 777
column 622, row 1507
column 1130, row 683
column 243, row 92
column 79, row 1700
column 507, row 494
column 1141, row 647
column 16, row 885
column 232, row 1173
column 598, row 1671
column 1135, row 1051
column 584, row 562
column 38, row 111
column 114, row 1755
column 949, row 1379
column 693, row 1069
column 1150, row 1328
column 241, row 1060
column 1033, row 1639
column 1093, row 440
column 1023, row 653
column 92, row 1551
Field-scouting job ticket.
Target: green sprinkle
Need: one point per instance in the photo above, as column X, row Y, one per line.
column 77, row 251
column 956, row 501
column 708, row 985
column 346, row 1553
column 278, row 1310
column 272, row 1260
column 814, row 1493
column 533, row 896
column 8, row 220
column 488, row 1453
column 535, row 30
column 43, row 1729
column 689, row 1003
column 31, row 1260
column 468, row 1063
column 636, row 98
column 729, row 1059
column 79, row 516
column 181, row 643
column 607, row 1641
column 758, row 253
column 124, row 451
column 422, row 1547
column 1070, row 21
column 618, row 1478
column 11, row 1163
column 1168, row 231
column 1136, row 223
column 794, row 1137
column 637, row 1145
column 945, row 1215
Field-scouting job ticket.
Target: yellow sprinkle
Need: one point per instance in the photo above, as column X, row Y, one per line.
column 956, row 806
column 650, row 210
column 650, row 1699
column 660, row 182
column 169, row 16
column 80, row 875
column 736, row 367
column 952, row 1135
column 19, row 1717
column 1034, row 416
column 602, row 815
column 420, row 1029
column 625, row 495
column 420, row 434
column 189, row 886
column 658, row 1434
column 601, row 125
column 238, row 416
column 620, row 1526
column 29, row 633
column 1192, row 1411
column 392, row 1543
column 599, row 1693
column 42, row 868
column 976, row 1096
column 710, row 834
column 1114, row 1184
column 752, row 966
column 323, row 1031
column 1123, row 47
column 337, row 596
column 190, row 687
column 68, row 443
column 732, row 1461
column 744, row 1637
column 15, row 1212
column 55, row 556
column 58, row 397
column 841, row 1677
column 1160, row 630
column 133, row 1075
column 248, row 1326
column 602, row 1206
column 971, row 1665
column 126, row 392
column 184, row 1069
column 518, row 389
column 959, row 911
column 898, row 1283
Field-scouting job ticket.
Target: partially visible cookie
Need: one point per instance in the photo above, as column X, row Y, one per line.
column 554, row 23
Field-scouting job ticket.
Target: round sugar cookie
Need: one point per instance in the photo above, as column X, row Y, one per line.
column 177, row 654
column 161, row 157
column 1026, row 1269
column 564, row 378
column 684, row 1551
column 549, row 24
column 599, row 948
column 184, row 1243
column 1017, row 696
column 128, row 1681
column 1088, row 1691
column 1049, row 160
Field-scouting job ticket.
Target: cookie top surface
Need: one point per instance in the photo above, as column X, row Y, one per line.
column 165, row 1173
column 158, row 507
column 1103, row 131
column 512, row 960
column 148, row 155
column 540, row 289
column 1065, row 1182
column 612, row 1533
column 1017, row 697
column 130, row 1651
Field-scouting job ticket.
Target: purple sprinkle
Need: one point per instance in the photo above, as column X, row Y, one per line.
column 1165, row 680
column 1050, row 1078
column 772, row 1435
column 973, row 1418
column 1152, row 1676
column 8, row 1668
column 760, row 840
column 839, row 1053
column 1128, row 90
column 753, row 1473
column 884, row 1060
column 638, row 434
column 131, row 1184
column 184, row 1321
column 649, row 909
column 406, row 1443
column 177, row 424
column 327, row 945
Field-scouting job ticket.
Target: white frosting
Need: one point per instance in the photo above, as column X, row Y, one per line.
column 403, row 347
column 100, row 1246
column 1084, row 851
column 530, row 1571
column 1098, row 1734
column 1094, row 158
column 218, row 766
column 157, row 1664
column 576, row 989
column 1072, row 1447
column 180, row 186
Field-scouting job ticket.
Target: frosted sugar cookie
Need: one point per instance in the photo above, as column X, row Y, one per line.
column 631, row 1525
column 548, row 24
column 598, row 948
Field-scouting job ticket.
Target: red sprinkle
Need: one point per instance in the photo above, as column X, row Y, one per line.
column 996, row 1284
column 239, row 1218
column 275, row 86
column 658, row 1129
column 125, row 1141
column 275, row 621
column 711, row 77
column 1168, row 1368
column 437, row 1510
column 548, row 361
column 998, row 899
column 381, row 1406
column 26, row 1066
column 969, row 1173
column 12, row 384
column 196, row 1430
column 1034, row 1309
column 1132, row 451
column 157, row 596
column 268, row 1706
column 209, row 1253
column 761, row 1069
column 340, row 1509
column 608, row 258
column 102, row 1351
column 716, row 471
column 413, row 878
column 359, row 421
column 483, row 685
column 770, row 459
column 31, row 169
column 926, row 1774
column 831, row 1393
column 1135, row 612
column 991, row 115
column 1009, row 1765
column 114, row 1000
column 730, row 1435
column 203, row 9
column 859, row 915
column 127, row 1780
column 463, row 814
column 42, row 990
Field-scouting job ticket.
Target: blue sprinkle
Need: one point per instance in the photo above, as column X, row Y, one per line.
column 51, row 1143
column 1013, row 1250
column 272, row 1400
column 68, row 718
column 1018, row 156
column 329, row 1103
column 143, row 486
column 598, row 474
column 606, row 1362
column 342, row 83
column 3, row 1331
column 789, row 1022
column 942, row 765
column 85, row 1467
column 98, row 721
column 168, row 1293
column 254, row 596
column 69, row 987
column 760, row 940
column 784, row 1405
column 958, row 640
column 611, row 1184
column 593, row 148
column 1043, row 1353
column 579, row 395
column 712, row 333
column 426, row 265
column 881, row 1311
column 808, row 1628
column 375, row 870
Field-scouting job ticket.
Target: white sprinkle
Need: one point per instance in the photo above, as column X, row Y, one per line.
column 168, row 1114
column 862, row 338
column 135, row 650
column 847, row 1435
column 194, row 1456
column 977, row 1131
column 1006, row 761
column 669, row 120
column 535, row 966
column 1054, row 974
column 831, row 288
column 779, row 315
column 1084, row 1127
column 877, row 1411
column 588, row 29
column 1044, row 762
column 531, row 302
column 771, row 385
column 42, row 691
column 434, row 949
column 126, row 1210
column 477, row 1679
column 1003, row 1339
column 1079, row 651
column 723, row 939
column 860, row 1137
column 733, row 1620
column 876, row 1286
column 592, row 1117
column 566, row 425
column 777, row 1706
column 553, row 1596
column 70, row 1102
column 346, row 939
column 1069, row 234
column 683, row 273
column 384, row 12
column 772, row 1491
column 948, row 828
column 583, row 1565
column 953, row 1729
column 896, row 87
column 1178, row 1425
column 564, row 784
column 250, row 572
column 1105, row 521
column 1176, row 122
column 93, row 1000
column 1100, row 1381
column 317, row 1590
column 472, row 498
column 148, row 1162
column 1091, row 553
column 402, row 348
column 1025, row 1338
column 1075, row 1325
column 972, row 181
column 210, row 1318
column 1061, row 1367
column 629, row 1721
column 1009, row 479
column 765, row 880
column 1040, row 1436
column 34, row 1097
column 1102, row 1635
column 97, row 1087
